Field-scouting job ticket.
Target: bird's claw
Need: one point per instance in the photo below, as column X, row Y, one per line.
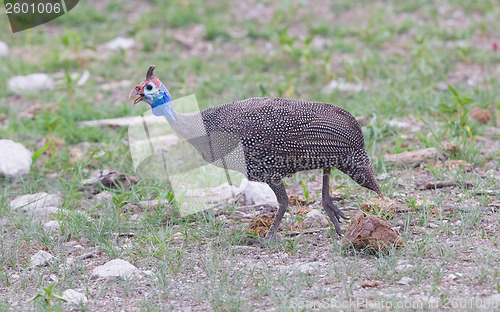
column 334, row 213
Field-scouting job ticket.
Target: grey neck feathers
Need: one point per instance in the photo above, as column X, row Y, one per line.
column 192, row 129
column 188, row 126
column 213, row 146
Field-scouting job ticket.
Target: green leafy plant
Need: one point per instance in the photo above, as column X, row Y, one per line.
column 39, row 152
column 305, row 191
column 458, row 110
column 51, row 124
column 292, row 244
column 48, row 295
column 119, row 201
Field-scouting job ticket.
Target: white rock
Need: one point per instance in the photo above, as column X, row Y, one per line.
column 4, row 49
column 41, row 258
column 405, row 280
column 115, row 268
column 120, row 43
column 30, row 83
column 383, row 176
column 74, row 297
column 307, row 268
column 15, row 159
column 404, row 267
column 451, row 277
column 39, row 204
column 341, row 85
column 103, row 197
column 288, row 219
column 69, row 261
column 314, row 219
column 83, row 79
column 45, row 211
column 257, row 193
column 52, row 225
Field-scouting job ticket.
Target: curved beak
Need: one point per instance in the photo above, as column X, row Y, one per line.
column 135, row 96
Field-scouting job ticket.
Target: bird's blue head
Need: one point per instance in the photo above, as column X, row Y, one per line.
column 153, row 92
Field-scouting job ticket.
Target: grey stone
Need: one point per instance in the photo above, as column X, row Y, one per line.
column 315, row 219
column 115, row 268
column 404, row 267
column 343, row 86
column 30, row 83
column 41, row 258
column 39, row 204
column 452, row 277
column 148, row 273
column 103, row 197
column 4, row 49
column 257, row 193
column 44, row 211
column 120, row 43
column 15, row 159
column 74, row 297
column 52, row 225
column 69, row 262
column 405, row 280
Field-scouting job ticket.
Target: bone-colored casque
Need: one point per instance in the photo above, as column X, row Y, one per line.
column 279, row 137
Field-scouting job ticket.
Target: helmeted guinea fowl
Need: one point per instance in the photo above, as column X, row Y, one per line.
column 279, row 137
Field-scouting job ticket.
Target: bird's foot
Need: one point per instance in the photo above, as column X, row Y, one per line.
column 271, row 237
column 334, row 213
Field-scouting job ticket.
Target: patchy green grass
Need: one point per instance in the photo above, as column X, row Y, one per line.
column 405, row 54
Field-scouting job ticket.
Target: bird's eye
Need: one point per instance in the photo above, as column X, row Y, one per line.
column 149, row 87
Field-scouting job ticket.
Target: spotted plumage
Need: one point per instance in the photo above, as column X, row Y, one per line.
column 283, row 136
column 278, row 137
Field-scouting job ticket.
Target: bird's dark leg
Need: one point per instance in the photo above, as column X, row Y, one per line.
column 327, row 201
column 280, row 191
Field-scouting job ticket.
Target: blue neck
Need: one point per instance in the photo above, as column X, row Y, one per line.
column 161, row 103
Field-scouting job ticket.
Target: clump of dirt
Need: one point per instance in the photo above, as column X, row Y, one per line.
column 382, row 206
column 100, row 179
column 446, row 210
column 480, row 114
column 451, row 148
column 367, row 232
column 303, row 211
column 261, row 224
column 371, row 284
column 301, row 200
